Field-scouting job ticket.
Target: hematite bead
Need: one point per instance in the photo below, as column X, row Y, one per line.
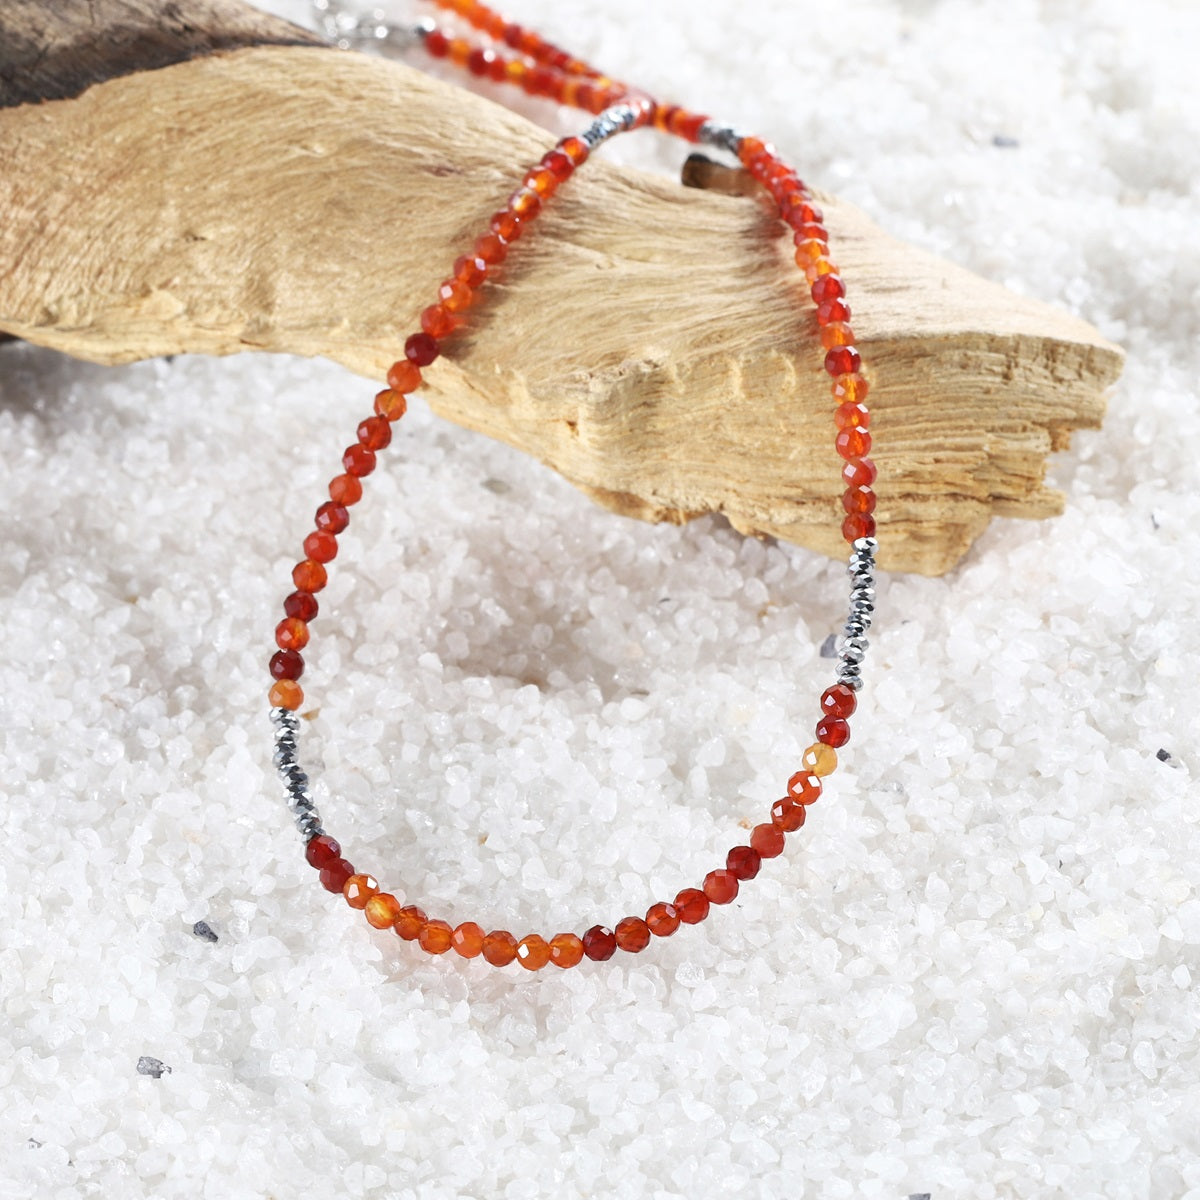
column 867, row 545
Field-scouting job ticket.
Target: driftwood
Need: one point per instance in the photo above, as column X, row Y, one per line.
column 650, row 342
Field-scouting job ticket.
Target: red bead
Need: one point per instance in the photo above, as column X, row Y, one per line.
column 828, row 287
column 859, row 500
column 471, row 270
column 333, row 877
column 437, row 322
column 833, row 731
column 843, row 360
column 858, row 525
column 599, row 943
column 633, row 934
column 720, row 886
column 525, row 203
column 816, row 233
column 692, row 906
column 853, row 443
column 831, row 312
column 559, row 165
column 480, row 60
column 421, row 349
column 308, row 576
column 507, row 224
column 301, row 605
column 662, row 919
column 788, row 814
column 405, row 376
column 358, row 460
column 322, row 850
column 291, row 634
column 576, row 149
column 859, row 472
column 743, row 861
column 332, row 518
column 455, row 296
column 375, row 433
column 286, row 664
column 852, row 416
column 804, row 787
column 767, row 840
column 345, row 489
column 321, row 547
column 437, row 43
column 839, row 701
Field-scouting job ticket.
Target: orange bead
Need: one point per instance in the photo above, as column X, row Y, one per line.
column 787, row 815
column 533, row 952
column 391, row 405
column 467, row 940
column 404, row 376
column 291, row 634
column 566, row 950
column 345, row 489
column 852, row 416
column 819, row 267
column 809, row 251
column 507, row 224
column 559, row 165
column 409, row 922
column 458, row 51
column 525, row 203
column 633, row 934
column 540, row 180
column 437, row 322
column 358, row 889
column 490, row 248
column 836, row 333
column 455, row 297
column 286, row 693
column 804, row 787
column 662, row 919
column 381, row 910
column 576, row 149
column 320, row 546
column 692, row 906
column 820, row 759
column 436, row 937
column 309, row 576
column 471, row 270
column 850, row 389
column 499, row 947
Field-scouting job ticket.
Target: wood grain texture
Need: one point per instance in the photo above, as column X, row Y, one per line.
column 652, row 343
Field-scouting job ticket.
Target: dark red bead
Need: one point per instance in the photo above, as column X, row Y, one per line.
column 842, row 360
column 333, row 877
column 358, row 460
column 421, row 349
column 301, row 605
column 828, row 287
column 859, row 472
column 833, row 731
column 437, row 43
column 332, row 518
column 839, row 701
column 788, row 814
column 858, row 525
column 375, row 432
column 599, row 943
column 743, row 861
column 287, row 664
column 322, row 850
column 632, row 934
column 480, row 60
column 859, row 500
column 830, row 311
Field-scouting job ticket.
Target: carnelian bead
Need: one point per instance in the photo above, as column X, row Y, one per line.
column 566, row 950
column 459, row 51
column 525, row 203
column 404, row 376
column 858, row 525
column 499, row 947
column 692, row 906
column 843, row 360
column 286, row 693
column 467, row 940
column 662, row 919
column 291, row 634
column 576, row 149
column 391, row 405
column 375, row 433
column 852, row 416
column 455, row 297
column 839, row 701
column 820, row 759
column 599, row 943
column 333, row 877
column 358, row 889
column 767, row 840
column 507, row 224
column 435, row 937
column 560, row 166
column 788, row 814
column 541, row 181
column 749, row 147
column 809, row 251
column 286, row 664
column 321, row 547
column 720, row 886
column 421, row 349
column 409, row 922
column 515, row 71
column 480, row 60
column 381, row 910
column 301, row 605
column 859, row 500
column 490, row 249
column 858, row 472
column 437, row 43
column 853, row 443
column 358, row 460
column 804, row 787
column 814, row 232
column 633, row 934
column 331, row 517
column 828, row 287
column 836, row 334
column 830, row 312
column 533, row 952
column 833, row 731
column 437, row 322
column 819, row 267
column 309, row 576
column 744, row 861
column 470, row 270
column 345, row 489
column 850, row 389
column 322, row 850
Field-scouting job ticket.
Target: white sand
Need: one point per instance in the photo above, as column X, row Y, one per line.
column 974, row 973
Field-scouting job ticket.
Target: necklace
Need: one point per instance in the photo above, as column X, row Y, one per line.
column 542, row 69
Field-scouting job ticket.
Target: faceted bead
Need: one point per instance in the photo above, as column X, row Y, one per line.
column 843, row 360
column 804, row 787
column 435, row 937
column 345, row 489
column 533, row 952
column 409, row 922
column 566, row 950
column 332, row 518
column 839, row 701
column 820, row 759
column 853, row 443
column 828, row 287
column 852, row 416
column 391, row 405
column 437, row 322
column 321, row 851
column 490, row 249
column 692, row 906
column 576, row 149
column 525, row 204
column 850, row 389
column 358, row 889
column 320, row 547
column 813, row 233
column 558, row 164
column 819, row 267
column 833, row 312
column 809, row 251
column 286, row 664
column 720, row 886
column 404, row 376
column 286, row 693
column 499, row 947
column 859, row 472
column 743, row 861
column 836, row 334
column 859, row 500
column 309, row 576
column 752, row 146
column 767, row 840
column 467, row 940
column 599, row 943
column 291, row 634
column 833, row 731
column 633, row 934
column 301, row 606
column 358, row 460
column 375, row 433
column 507, row 224
column 788, row 814
column 858, row 525
column 421, row 349
column 470, row 270
column 455, row 297
column 662, row 919
column 333, row 877
column 541, row 181
column 381, row 910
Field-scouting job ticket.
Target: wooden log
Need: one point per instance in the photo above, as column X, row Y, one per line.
column 652, row 343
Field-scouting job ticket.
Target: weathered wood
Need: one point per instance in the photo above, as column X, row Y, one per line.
column 652, row 343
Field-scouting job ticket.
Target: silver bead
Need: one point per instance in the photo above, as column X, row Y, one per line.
column 309, row 826
column 852, row 655
column 866, row 545
column 285, row 719
column 851, row 681
column 855, row 628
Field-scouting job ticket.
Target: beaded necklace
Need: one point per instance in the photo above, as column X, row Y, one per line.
column 542, row 69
